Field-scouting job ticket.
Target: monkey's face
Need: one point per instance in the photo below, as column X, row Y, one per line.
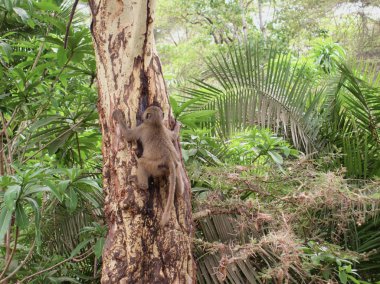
column 153, row 115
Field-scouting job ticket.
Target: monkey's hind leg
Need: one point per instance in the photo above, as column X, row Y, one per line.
column 142, row 175
column 170, row 199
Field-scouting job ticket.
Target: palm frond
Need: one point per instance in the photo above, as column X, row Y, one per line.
column 254, row 86
column 226, row 254
column 353, row 111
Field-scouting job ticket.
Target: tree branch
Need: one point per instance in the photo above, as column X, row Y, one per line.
column 80, row 258
column 69, row 23
column 21, row 264
column 11, row 256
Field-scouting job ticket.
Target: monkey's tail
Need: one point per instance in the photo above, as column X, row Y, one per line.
column 180, row 178
column 172, row 185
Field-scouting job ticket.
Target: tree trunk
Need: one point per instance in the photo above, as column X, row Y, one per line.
column 261, row 21
column 129, row 78
column 243, row 20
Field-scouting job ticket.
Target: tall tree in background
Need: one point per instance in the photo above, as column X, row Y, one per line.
column 130, row 78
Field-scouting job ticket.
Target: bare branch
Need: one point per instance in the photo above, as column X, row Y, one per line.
column 69, row 23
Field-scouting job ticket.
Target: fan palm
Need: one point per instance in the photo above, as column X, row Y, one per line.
column 251, row 85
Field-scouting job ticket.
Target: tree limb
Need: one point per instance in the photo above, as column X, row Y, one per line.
column 69, row 23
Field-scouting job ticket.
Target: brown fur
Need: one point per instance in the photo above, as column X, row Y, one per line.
column 160, row 157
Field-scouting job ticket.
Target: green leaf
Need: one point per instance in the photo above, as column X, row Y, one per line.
column 31, row 23
column 6, row 48
column 80, row 246
column 5, row 220
column 11, row 195
column 276, row 157
column 58, row 142
column 35, row 189
column 47, row 5
column 21, row 13
column 21, row 218
column 71, row 201
column 56, row 190
column 197, row 116
column 8, row 4
column 61, row 56
column 36, row 210
column 89, row 181
column 63, row 184
column 174, row 106
column 343, row 276
column 98, row 248
column 356, row 281
column 42, row 122
column 185, row 155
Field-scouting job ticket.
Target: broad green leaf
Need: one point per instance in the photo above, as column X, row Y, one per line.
column 185, row 154
column 276, row 157
column 98, row 248
column 89, row 181
column 199, row 115
column 174, row 105
column 5, row 48
column 5, row 220
column 11, row 195
column 58, row 142
column 21, row 218
column 22, row 13
column 47, row 5
column 71, row 201
column 63, row 184
column 343, row 276
column 35, row 189
column 31, row 23
column 42, row 122
column 56, row 190
column 8, row 4
column 61, row 56
column 36, row 210
column 54, row 40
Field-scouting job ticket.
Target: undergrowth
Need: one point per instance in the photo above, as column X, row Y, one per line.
column 298, row 225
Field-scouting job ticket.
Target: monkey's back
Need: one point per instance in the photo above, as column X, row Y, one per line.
column 157, row 144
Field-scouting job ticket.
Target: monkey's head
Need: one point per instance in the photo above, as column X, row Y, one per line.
column 153, row 115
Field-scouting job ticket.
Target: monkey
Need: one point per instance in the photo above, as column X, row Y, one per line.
column 159, row 157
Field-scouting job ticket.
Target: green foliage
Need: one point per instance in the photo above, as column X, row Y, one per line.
column 330, row 261
column 327, row 54
column 198, row 145
column 306, row 216
column 353, row 118
column 191, row 119
column 49, row 190
column 258, row 147
column 255, row 85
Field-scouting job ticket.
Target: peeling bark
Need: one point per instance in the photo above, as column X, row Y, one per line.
column 129, row 77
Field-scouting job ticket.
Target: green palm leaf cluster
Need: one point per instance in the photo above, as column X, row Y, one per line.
column 353, row 121
column 251, row 85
